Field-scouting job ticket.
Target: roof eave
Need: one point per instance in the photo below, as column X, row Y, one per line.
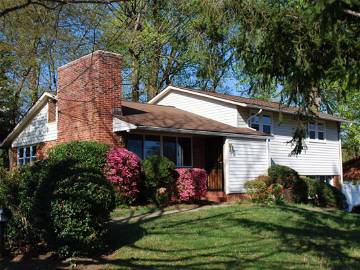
column 29, row 115
column 241, row 104
column 192, row 131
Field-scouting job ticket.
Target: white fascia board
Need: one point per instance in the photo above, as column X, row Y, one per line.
column 240, row 104
column 169, row 88
column 120, row 125
column 28, row 117
column 201, row 132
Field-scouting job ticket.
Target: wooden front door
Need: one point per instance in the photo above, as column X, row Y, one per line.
column 214, row 163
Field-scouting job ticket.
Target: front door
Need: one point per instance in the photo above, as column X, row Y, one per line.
column 214, row 163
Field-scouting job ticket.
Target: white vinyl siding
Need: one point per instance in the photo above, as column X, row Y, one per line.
column 206, row 107
column 246, row 159
column 242, row 117
column 38, row 130
column 320, row 158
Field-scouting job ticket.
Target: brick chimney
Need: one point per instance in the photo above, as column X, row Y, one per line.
column 89, row 89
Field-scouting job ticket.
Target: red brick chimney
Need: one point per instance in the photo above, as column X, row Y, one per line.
column 89, row 89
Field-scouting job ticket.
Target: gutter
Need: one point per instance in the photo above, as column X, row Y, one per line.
column 201, row 132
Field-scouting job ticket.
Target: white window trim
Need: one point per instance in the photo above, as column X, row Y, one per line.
column 162, row 145
column 32, row 158
column 261, row 126
column 316, row 140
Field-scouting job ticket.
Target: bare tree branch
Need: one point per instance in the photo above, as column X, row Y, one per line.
column 351, row 12
column 57, row 2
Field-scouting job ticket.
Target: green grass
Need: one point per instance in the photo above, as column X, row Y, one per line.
column 239, row 237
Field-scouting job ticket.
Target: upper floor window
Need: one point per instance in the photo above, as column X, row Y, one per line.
column 26, row 155
column 262, row 122
column 316, row 131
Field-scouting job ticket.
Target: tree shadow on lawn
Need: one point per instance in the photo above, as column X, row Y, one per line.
column 309, row 233
column 326, row 235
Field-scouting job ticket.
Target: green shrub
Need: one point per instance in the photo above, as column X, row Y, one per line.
column 299, row 192
column 9, row 199
column 323, row 194
column 87, row 154
column 258, row 190
column 283, row 175
column 62, row 202
column 80, row 208
column 159, row 178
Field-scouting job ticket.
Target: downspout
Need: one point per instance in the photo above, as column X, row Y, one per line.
column 268, row 152
column 252, row 116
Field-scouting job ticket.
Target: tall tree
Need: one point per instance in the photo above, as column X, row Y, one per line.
column 287, row 42
column 165, row 42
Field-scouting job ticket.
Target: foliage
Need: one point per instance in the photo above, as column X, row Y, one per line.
column 80, row 209
column 61, row 202
column 300, row 191
column 183, row 42
column 310, row 49
column 86, row 154
column 159, row 178
column 283, row 175
column 191, row 183
column 324, row 195
column 260, row 192
column 123, row 169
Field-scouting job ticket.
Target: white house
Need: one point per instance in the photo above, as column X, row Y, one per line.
column 235, row 139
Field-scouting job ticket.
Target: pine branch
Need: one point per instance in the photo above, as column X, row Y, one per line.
column 57, row 2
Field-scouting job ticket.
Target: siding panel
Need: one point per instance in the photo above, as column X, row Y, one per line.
column 213, row 109
column 321, row 158
column 247, row 160
column 37, row 131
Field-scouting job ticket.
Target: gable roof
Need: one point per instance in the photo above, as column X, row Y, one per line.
column 244, row 102
column 168, row 118
column 40, row 103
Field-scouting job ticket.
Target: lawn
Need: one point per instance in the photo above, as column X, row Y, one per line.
column 239, row 237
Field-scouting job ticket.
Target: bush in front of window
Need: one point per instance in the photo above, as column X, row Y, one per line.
column 159, row 179
column 87, row 154
column 123, row 170
column 191, row 184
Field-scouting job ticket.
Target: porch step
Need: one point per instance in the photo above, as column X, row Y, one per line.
column 220, row 196
column 216, row 196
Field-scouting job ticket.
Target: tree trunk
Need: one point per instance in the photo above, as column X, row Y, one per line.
column 135, row 78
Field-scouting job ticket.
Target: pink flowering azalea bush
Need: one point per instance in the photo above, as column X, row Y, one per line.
column 123, row 169
column 191, row 183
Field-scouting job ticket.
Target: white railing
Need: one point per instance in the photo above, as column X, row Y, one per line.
column 352, row 194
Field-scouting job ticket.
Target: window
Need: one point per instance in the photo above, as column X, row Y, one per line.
column 255, row 122
column 261, row 122
column 184, row 152
column 135, row 144
column 266, row 124
column 151, row 146
column 316, row 131
column 312, row 131
column 177, row 149
column 170, row 148
column 26, row 155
